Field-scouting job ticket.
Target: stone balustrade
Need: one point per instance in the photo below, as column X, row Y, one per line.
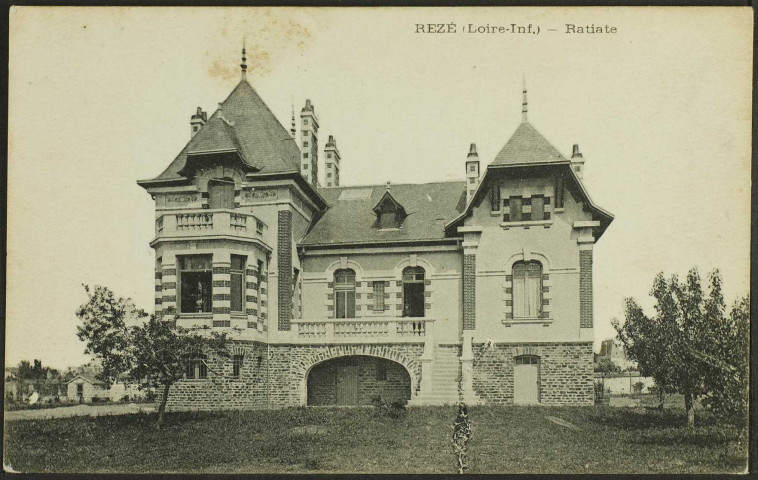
column 363, row 330
column 193, row 223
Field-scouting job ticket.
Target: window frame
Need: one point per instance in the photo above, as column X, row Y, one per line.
column 237, row 363
column 415, row 280
column 344, row 290
column 181, row 271
column 241, row 281
column 520, row 301
column 378, row 291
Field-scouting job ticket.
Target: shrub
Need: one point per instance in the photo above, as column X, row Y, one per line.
column 125, row 399
column 394, row 409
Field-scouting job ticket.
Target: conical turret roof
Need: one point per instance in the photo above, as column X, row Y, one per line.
column 242, row 123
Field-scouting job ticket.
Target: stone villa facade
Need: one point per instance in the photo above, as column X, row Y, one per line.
column 335, row 294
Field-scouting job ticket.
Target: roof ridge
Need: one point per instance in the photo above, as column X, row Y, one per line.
column 384, row 185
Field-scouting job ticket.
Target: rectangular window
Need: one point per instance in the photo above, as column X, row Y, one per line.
column 515, row 209
column 328, row 155
column 258, row 278
column 495, row 197
column 388, row 220
column 305, row 121
column 378, row 296
column 472, row 168
column 237, row 278
column 195, row 284
column 328, row 174
column 527, row 290
column 259, row 227
column 196, row 367
column 305, row 155
column 220, row 194
column 344, row 293
column 237, row 365
column 305, row 166
column 538, row 207
column 305, row 143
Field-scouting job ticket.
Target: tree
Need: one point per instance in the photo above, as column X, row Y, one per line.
column 728, row 376
column 681, row 346
column 606, row 367
column 152, row 353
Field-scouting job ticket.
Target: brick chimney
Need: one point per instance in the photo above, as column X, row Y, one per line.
column 309, row 143
column 197, row 121
column 332, row 162
column 577, row 161
column 472, row 172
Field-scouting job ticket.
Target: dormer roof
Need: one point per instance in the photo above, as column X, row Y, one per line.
column 386, row 201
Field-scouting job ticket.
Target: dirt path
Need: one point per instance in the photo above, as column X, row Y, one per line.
column 79, row 411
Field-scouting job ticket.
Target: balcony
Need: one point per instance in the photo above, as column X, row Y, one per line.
column 363, row 330
column 192, row 224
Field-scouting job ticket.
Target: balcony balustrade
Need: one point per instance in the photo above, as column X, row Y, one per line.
column 193, row 223
column 363, row 330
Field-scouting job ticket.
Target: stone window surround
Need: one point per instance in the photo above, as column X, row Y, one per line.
column 547, row 294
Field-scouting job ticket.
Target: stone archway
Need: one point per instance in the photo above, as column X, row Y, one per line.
column 357, row 380
column 409, row 360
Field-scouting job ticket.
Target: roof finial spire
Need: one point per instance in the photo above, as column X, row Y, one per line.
column 388, row 186
column 243, row 65
column 524, row 103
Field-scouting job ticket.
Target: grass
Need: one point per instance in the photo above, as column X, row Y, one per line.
column 299, row 440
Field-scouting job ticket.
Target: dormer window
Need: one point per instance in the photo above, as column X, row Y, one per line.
column 389, row 213
column 221, row 193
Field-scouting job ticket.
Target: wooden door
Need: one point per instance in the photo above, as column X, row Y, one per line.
column 526, row 381
column 347, row 385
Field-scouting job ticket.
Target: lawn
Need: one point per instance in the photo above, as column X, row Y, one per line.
column 300, row 440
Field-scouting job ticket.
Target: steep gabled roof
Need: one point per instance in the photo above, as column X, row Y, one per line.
column 527, row 146
column 242, row 123
column 351, row 219
column 87, row 378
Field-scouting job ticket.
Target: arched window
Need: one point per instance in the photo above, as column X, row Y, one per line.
column 344, row 293
column 221, row 193
column 527, row 289
column 413, row 292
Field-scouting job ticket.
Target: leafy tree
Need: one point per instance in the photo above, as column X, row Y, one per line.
column 646, row 341
column 683, row 345
column 153, row 353
column 606, row 367
column 728, row 376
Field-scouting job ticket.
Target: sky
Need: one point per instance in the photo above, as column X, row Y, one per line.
column 101, row 97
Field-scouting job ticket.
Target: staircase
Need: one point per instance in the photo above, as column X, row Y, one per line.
column 446, row 368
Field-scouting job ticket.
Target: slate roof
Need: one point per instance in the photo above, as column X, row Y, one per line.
column 527, row 146
column 89, row 379
column 250, row 128
column 351, row 219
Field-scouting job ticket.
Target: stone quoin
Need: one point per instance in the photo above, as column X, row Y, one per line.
column 336, row 295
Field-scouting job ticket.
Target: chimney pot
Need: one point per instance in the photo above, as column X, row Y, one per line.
column 576, row 153
column 472, row 151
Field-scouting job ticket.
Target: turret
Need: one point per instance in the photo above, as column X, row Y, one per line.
column 577, row 161
column 332, row 162
column 197, row 121
column 309, row 145
column 472, row 172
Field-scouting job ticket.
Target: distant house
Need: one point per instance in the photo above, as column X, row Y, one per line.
column 613, row 351
column 83, row 388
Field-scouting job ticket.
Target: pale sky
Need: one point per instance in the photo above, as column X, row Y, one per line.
column 100, row 97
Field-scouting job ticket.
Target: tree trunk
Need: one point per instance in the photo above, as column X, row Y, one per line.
column 162, row 406
column 661, row 398
column 690, row 409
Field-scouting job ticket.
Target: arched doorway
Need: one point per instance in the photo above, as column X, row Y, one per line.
column 526, row 380
column 356, row 380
